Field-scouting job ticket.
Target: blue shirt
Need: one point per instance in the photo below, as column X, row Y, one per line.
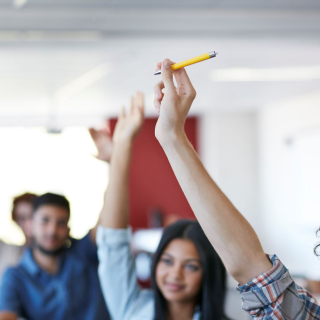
column 73, row 293
column 117, row 273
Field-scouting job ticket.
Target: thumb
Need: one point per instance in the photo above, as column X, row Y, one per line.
column 167, row 77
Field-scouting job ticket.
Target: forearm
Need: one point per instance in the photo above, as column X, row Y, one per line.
column 228, row 231
column 115, row 211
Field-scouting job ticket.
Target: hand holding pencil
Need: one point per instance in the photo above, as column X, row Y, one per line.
column 174, row 104
column 191, row 61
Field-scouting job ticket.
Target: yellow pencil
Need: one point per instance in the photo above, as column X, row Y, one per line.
column 188, row 62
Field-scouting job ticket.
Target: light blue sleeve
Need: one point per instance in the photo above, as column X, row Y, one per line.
column 117, row 271
column 9, row 297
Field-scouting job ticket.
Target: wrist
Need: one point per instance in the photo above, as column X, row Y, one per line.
column 122, row 150
column 126, row 141
column 122, row 146
column 171, row 138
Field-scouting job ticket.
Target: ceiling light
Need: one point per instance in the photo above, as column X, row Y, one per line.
column 84, row 81
column 19, row 3
column 266, row 74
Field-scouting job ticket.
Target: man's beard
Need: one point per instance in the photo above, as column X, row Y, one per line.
column 52, row 253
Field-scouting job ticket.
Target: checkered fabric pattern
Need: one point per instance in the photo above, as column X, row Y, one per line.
column 274, row 295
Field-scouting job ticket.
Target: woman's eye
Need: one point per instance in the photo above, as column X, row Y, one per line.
column 192, row 267
column 166, row 261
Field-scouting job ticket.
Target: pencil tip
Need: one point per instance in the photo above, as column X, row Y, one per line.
column 158, row 72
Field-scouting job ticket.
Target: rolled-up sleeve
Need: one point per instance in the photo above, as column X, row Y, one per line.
column 117, row 271
column 274, row 295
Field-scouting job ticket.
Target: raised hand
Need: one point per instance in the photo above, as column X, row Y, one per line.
column 129, row 124
column 175, row 103
column 227, row 230
column 115, row 212
column 103, row 141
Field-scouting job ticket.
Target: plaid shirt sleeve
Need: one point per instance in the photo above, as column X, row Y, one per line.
column 274, row 295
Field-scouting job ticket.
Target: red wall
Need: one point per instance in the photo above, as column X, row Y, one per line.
column 152, row 182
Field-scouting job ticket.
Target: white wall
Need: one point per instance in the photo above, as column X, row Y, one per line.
column 268, row 164
column 229, row 150
column 285, row 152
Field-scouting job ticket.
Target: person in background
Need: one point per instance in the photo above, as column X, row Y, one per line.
column 22, row 207
column 188, row 277
column 265, row 285
column 57, row 277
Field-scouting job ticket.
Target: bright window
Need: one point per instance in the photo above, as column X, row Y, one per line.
column 33, row 160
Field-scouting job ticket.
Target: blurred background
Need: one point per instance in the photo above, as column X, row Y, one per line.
column 68, row 65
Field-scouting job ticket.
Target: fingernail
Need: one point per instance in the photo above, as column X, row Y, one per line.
column 158, row 95
column 167, row 64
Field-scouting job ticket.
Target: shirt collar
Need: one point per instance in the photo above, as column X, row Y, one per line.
column 32, row 267
column 29, row 264
column 196, row 315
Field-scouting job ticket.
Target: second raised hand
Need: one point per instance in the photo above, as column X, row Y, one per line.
column 103, row 141
column 130, row 123
column 115, row 211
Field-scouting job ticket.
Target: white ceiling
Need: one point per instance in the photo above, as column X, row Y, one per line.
column 81, row 60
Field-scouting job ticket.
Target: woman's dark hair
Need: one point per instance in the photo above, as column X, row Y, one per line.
column 212, row 295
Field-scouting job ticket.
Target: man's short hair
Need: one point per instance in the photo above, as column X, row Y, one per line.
column 51, row 199
column 26, row 197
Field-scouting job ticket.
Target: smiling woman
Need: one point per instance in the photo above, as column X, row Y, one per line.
column 187, row 269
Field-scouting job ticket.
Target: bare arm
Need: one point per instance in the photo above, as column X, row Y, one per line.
column 103, row 141
column 228, row 231
column 115, row 211
column 4, row 315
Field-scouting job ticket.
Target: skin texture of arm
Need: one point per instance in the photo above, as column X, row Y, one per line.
column 115, row 211
column 117, row 152
column 103, row 141
column 4, row 315
column 228, row 231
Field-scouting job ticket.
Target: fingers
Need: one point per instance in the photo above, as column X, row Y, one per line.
column 137, row 105
column 158, row 90
column 132, row 104
column 93, row 133
column 183, row 80
column 159, row 64
column 122, row 113
column 158, row 95
column 185, row 87
column 167, row 77
column 107, row 127
column 105, row 132
column 138, row 109
column 139, row 100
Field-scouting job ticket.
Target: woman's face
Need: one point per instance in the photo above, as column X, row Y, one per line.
column 23, row 217
column 179, row 272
